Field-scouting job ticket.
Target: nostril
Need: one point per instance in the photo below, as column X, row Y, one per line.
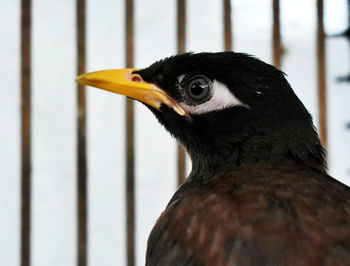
column 136, row 78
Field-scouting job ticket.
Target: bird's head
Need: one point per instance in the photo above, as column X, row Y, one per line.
column 226, row 108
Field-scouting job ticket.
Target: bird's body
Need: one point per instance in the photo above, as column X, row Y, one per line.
column 258, row 192
column 260, row 214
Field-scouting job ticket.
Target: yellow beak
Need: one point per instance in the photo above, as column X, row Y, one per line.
column 123, row 81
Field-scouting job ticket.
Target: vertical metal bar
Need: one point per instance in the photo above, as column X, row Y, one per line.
column 277, row 47
column 227, row 25
column 82, row 167
column 26, row 129
column 321, row 70
column 181, row 30
column 181, row 34
column 130, row 158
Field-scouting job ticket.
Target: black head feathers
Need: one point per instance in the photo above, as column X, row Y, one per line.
column 263, row 120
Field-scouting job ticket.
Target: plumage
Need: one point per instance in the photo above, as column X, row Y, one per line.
column 258, row 192
column 261, row 214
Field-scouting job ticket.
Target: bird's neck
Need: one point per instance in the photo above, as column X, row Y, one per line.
column 211, row 166
column 209, row 162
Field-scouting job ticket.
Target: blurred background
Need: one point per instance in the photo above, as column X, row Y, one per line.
column 45, row 169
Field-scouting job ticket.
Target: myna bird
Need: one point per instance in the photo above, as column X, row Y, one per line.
column 258, row 192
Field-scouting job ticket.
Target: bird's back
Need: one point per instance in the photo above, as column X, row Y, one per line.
column 261, row 214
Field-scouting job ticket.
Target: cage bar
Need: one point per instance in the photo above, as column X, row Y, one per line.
column 276, row 47
column 321, row 72
column 227, row 25
column 26, row 130
column 82, row 164
column 181, row 35
column 130, row 140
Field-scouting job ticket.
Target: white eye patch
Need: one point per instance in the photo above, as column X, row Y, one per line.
column 222, row 98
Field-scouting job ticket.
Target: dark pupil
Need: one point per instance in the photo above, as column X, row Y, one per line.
column 197, row 88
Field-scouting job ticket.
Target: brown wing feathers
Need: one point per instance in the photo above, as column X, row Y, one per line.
column 261, row 215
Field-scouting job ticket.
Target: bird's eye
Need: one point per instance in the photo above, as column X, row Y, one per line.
column 198, row 88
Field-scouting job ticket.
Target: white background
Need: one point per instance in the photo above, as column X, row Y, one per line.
column 54, row 112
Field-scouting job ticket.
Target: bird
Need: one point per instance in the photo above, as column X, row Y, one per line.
column 258, row 192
